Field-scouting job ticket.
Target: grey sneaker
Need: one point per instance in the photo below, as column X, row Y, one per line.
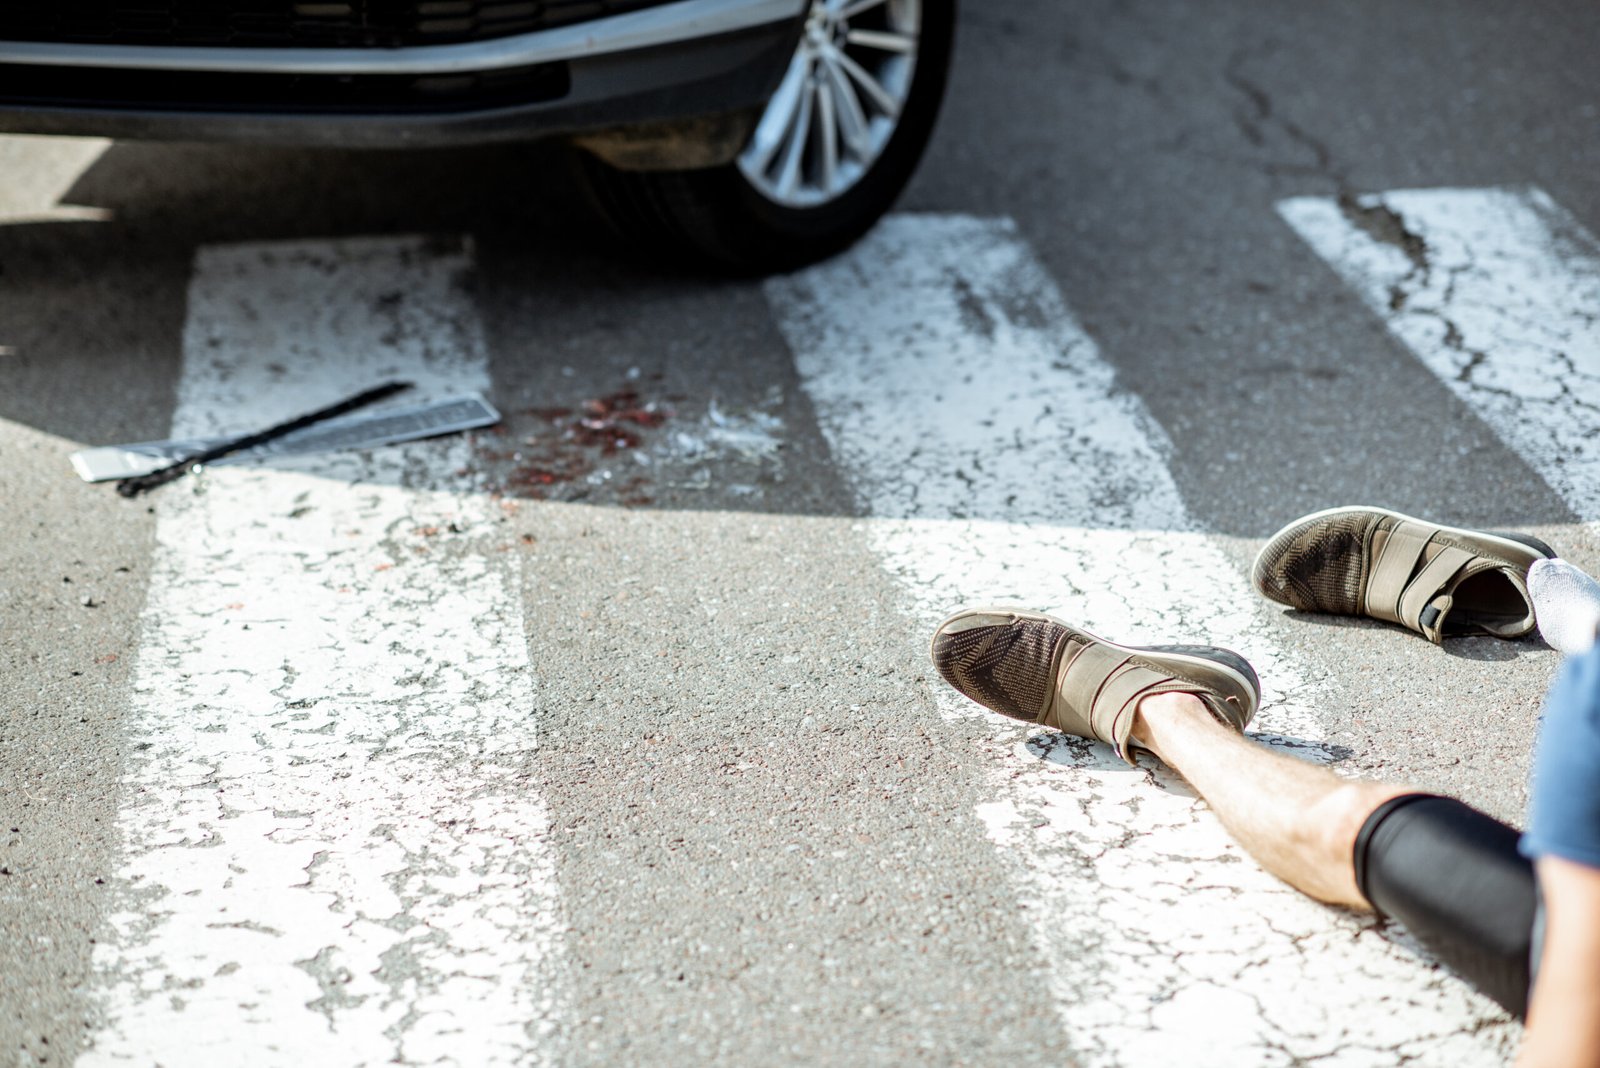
column 1037, row 668
column 1436, row 580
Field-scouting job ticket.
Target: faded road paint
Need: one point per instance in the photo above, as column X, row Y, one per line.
column 333, row 853
column 1497, row 291
column 1003, row 464
column 36, row 173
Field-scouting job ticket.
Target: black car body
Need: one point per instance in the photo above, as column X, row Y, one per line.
column 667, row 93
column 382, row 72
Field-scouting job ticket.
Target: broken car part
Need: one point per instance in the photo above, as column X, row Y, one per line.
column 366, row 431
column 132, row 487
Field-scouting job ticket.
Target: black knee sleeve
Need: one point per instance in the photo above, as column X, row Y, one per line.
column 1454, row 878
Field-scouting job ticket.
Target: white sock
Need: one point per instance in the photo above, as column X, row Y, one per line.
column 1566, row 605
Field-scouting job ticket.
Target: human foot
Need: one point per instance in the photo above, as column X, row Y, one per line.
column 1436, row 580
column 1034, row 667
column 1567, row 604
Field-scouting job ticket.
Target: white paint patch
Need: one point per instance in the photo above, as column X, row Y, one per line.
column 1497, row 291
column 37, row 172
column 335, row 853
column 1003, row 464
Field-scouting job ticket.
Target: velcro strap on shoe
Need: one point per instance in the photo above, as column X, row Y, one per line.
column 1118, row 698
column 1392, row 571
column 1080, row 683
column 1425, row 587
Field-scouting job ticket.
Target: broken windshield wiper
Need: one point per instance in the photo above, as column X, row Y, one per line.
column 132, row 487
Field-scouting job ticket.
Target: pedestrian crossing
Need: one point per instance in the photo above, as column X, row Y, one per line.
column 1033, row 479
column 332, row 854
column 329, row 855
column 1495, row 291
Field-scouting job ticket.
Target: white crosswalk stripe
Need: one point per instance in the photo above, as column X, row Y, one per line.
column 335, row 859
column 1003, row 464
column 40, row 173
column 1497, row 291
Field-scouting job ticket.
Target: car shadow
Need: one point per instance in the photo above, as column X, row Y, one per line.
column 576, row 316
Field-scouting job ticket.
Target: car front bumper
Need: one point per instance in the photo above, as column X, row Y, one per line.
column 677, row 61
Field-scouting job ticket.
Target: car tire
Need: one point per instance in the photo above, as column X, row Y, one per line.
column 747, row 218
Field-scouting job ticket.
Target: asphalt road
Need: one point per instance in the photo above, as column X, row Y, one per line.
column 751, row 826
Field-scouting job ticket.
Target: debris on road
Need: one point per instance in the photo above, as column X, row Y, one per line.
column 367, row 431
column 578, row 439
column 603, row 422
column 619, row 447
column 754, row 436
column 132, row 487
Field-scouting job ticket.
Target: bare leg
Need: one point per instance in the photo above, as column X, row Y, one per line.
column 1299, row 821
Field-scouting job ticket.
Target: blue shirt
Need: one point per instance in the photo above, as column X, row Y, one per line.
column 1564, row 818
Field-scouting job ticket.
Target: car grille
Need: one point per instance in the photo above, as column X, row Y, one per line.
column 285, row 24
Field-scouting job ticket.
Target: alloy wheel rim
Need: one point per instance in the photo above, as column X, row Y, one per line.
column 839, row 102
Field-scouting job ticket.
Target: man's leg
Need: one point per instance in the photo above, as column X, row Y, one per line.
column 1299, row 821
column 1449, row 873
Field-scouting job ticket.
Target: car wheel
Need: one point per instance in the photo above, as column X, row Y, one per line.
column 830, row 152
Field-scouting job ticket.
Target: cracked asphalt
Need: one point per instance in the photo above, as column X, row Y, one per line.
column 762, row 827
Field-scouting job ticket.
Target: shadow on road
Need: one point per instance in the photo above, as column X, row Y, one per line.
column 575, row 317
column 94, row 311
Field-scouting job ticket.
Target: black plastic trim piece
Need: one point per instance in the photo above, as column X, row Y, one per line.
column 709, row 76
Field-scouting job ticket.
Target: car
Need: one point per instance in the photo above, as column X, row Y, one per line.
column 763, row 134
